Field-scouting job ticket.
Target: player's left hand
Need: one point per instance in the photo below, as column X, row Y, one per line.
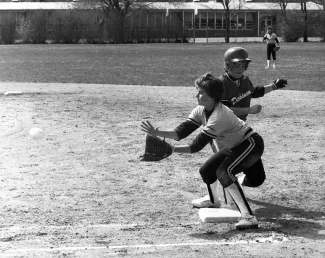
column 255, row 109
column 280, row 83
column 148, row 128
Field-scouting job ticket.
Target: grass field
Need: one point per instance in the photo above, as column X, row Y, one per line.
column 157, row 64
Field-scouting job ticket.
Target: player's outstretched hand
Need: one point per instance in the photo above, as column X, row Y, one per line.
column 280, row 83
column 255, row 109
column 148, row 128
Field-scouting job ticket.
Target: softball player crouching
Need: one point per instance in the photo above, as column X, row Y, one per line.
column 242, row 147
column 237, row 95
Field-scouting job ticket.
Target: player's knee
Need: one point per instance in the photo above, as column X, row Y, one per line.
column 254, row 182
column 224, row 178
column 208, row 176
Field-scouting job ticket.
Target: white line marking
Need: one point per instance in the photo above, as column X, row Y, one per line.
column 75, row 248
column 39, row 227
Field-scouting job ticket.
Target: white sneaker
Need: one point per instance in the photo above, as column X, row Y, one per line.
column 247, row 222
column 241, row 180
column 205, row 202
column 266, row 67
column 274, row 66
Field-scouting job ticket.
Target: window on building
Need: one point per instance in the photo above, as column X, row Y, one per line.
column 197, row 21
column 204, row 20
column 219, row 21
column 211, row 20
column 233, row 23
column 188, row 20
column 241, row 21
column 249, row 21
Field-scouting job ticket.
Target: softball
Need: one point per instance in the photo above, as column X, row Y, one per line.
column 36, row 133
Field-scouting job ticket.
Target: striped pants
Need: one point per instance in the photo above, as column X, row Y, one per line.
column 225, row 167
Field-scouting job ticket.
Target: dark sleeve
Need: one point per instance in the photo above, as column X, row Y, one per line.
column 185, row 129
column 200, row 142
column 225, row 96
column 226, row 102
column 258, row 92
column 276, row 40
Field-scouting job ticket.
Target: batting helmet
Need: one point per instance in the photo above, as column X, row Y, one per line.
column 236, row 54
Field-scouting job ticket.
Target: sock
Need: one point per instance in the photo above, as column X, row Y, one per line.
column 213, row 191
column 239, row 198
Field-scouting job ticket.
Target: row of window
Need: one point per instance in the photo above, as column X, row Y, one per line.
column 202, row 21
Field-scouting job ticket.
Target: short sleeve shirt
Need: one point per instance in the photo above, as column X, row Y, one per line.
column 223, row 125
column 239, row 95
column 270, row 39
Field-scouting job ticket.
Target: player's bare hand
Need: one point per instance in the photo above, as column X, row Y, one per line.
column 255, row 109
column 148, row 128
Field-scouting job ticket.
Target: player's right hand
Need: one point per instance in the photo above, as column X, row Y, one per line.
column 148, row 128
column 255, row 109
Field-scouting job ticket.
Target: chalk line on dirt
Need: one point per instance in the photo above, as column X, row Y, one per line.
column 143, row 246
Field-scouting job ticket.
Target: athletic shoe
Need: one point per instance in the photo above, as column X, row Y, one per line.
column 205, row 202
column 247, row 222
column 266, row 67
column 274, row 66
column 241, row 180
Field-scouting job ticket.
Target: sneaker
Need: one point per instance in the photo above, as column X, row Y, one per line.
column 241, row 180
column 247, row 222
column 266, row 67
column 274, row 66
column 205, row 202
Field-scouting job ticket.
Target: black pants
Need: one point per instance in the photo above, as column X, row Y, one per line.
column 269, row 51
column 224, row 167
column 254, row 175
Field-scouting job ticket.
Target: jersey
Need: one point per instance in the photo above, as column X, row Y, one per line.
column 226, row 129
column 270, row 38
column 239, row 93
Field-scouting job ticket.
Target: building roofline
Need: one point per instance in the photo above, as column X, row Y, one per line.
column 248, row 6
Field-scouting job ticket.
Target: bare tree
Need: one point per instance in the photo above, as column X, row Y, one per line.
column 303, row 5
column 114, row 14
column 231, row 7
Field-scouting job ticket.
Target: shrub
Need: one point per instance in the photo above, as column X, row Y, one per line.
column 293, row 28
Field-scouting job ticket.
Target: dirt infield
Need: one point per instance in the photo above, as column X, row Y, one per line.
column 82, row 191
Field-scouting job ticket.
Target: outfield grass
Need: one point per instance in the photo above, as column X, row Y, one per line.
column 157, row 64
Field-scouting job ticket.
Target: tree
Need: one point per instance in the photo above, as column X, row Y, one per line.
column 114, row 15
column 303, row 5
column 231, row 7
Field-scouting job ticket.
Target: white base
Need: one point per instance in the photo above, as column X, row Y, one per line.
column 6, row 93
column 214, row 215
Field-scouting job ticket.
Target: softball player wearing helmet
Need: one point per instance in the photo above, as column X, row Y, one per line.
column 242, row 147
column 271, row 40
column 238, row 91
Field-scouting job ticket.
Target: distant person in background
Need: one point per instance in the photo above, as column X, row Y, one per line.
column 271, row 40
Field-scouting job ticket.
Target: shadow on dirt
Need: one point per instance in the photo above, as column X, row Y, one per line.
column 293, row 221
column 274, row 219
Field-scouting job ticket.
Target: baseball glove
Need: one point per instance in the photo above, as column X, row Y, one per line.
column 280, row 83
column 276, row 48
column 156, row 149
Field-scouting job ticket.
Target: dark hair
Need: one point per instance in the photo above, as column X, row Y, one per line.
column 269, row 28
column 211, row 85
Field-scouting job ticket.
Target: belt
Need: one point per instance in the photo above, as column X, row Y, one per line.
column 248, row 131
